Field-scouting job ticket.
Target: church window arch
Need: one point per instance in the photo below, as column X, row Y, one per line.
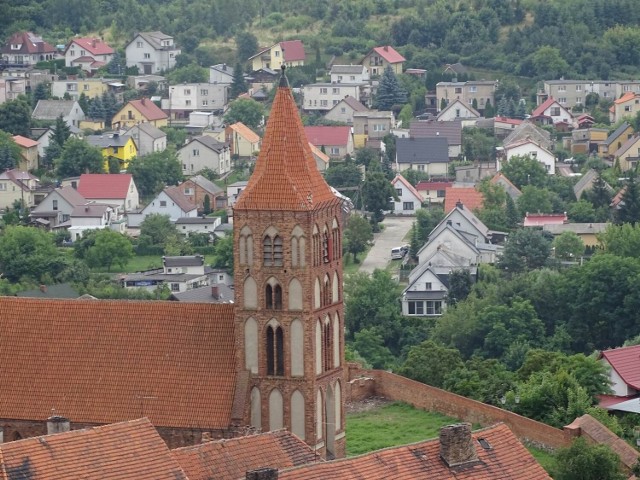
column 298, row 245
column 326, row 291
column 273, row 295
column 274, row 339
column 335, row 288
column 326, row 246
column 296, row 340
column 272, row 252
column 336, row 340
column 245, row 246
column 327, row 345
column 335, row 236
column 276, row 411
column 317, row 248
column 251, row 345
column 295, row 294
column 316, row 293
column 318, row 348
column 256, row 408
column 250, row 294
column 297, row 414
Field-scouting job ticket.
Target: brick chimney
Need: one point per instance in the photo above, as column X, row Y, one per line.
column 456, row 445
column 43, row 288
column 215, row 292
column 57, row 424
column 262, row 474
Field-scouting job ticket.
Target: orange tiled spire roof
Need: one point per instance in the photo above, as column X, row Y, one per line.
column 286, row 176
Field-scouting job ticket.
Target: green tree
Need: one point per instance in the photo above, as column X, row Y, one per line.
column 581, row 211
column 245, row 110
column 153, row 172
column 548, row 63
column 343, row 174
column 369, row 343
column 110, row 247
column 376, row 194
column 568, row 246
column 389, row 92
column 431, row 363
column 188, row 74
column 223, row 253
column 41, row 92
column 238, row 85
column 478, row 144
column 206, row 205
column 246, row 45
column 629, row 209
column 15, row 116
column 78, row 157
column 357, row 235
column 621, row 240
column 489, row 111
column 157, row 229
column 534, row 200
column 9, row 152
column 523, row 170
column 460, row 283
column 584, row 461
column 526, row 249
column 60, row 131
column 29, row 252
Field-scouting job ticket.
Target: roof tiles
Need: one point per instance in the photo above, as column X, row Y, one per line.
column 104, row 185
column 325, row 135
column 625, row 361
column 148, row 109
column 94, row 46
column 390, row 54
column 468, row 196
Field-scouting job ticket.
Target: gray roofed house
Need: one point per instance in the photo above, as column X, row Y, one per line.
column 183, row 261
column 207, row 184
column 152, row 52
column 451, row 130
column 586, row 183
column 527, row 130
column 148, row 138
column 616, row 133
column 215, row 293
column 430, row 155
column 344, row 110
column 56, row 208
column 59, row 290
column 108, row 140
column 205, row 152
column 221, row 73
column 180, row 273
column 171, row 201
column 90, row 210
column 346, row 69
column 50, row 110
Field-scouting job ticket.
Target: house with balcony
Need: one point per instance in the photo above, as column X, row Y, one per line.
column 90, row 87
column 25, row 49
column 379, row 58
column 139, row 111
column 336, row 141
column 571, row 93
column 322, row 97
column 113, row 145
column 55, row 210
column 152, row 52
column 204, row 152
column 433, row 191
column 88, row 54
column 371, row 124
column 481, row 92
column 290, row 53
column 190, row 97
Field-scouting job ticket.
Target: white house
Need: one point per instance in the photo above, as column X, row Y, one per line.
column 409, row 199
column 50, row 110
column 205, row 152
column 148, row 138
column 357, row 74
column 532, row 149
column 188, row 225
column 457, row 110
column 552, row 112
column 170, row 202
column 179, row 273
column 188, row 97
column 87, row 53
column 322, row 97
column 221, row 73
column 152, row 52
column 234, row 190
column 111, row 189
column 94, row 216
column 624, row 374
column 56, row 208
column 344, row 110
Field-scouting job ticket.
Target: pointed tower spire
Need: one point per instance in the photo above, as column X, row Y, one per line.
column 284, row 82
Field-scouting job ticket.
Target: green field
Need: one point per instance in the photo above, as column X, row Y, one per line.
column 136, row 264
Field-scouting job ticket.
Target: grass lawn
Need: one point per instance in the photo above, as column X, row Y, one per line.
column 347, row 262
column 546, row 459
column 136, row 264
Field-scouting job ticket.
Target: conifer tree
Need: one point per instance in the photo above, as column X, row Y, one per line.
column 489, row 111
column 238, row 85
column 629, row 211
column 390, row 92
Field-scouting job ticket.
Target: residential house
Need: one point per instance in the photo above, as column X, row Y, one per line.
column 532, row 149
column 243, row 141
column 262, row 80
column 542, row 219
column 456, row 110
column 510, row 189
column 56, row 208
column 94, row 216
column 371, row 124
column 214, row 293
column 585, row 120
column 112, row 189
column 428, row 286
column 120, row 147
column 344, row 110
column 11, row 88
column 433, row 191
column 139, row 111
column 428, row 155
column 26, row 49
column 90, row 87
column 190, row 97
column 179, row 273
column 221, row 73
column 322, row 97
column 50, row 110
column 551, row 112
column 503, row 126
column 202, row 153
column 152, row 52
column 337, row 142
column 588, row 232
column 207, row 225
column 615, row 140
column 148, row 138
column 472, row 174
column 480, row 91
column 198, row 188
column 143, row 82
column 491, row 453
column 628, row 154
column 586, row 183
column 28, row 152
column 529, row 131
column 575, row 92
column 625, row 106
column 43, row 137
column 17, row 186
column 290, row 53
column 409, row 199
column 588, row 140
column 234, row 190
column 451, row 130
column 624, row 375
column 201, row 121
column 349, row 74
column 471, row 198
column 170, row 202
column 322, row 159
column 379, row 58
column 88, row 54
column 455, row 69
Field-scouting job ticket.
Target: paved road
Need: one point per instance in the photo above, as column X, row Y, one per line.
column 395, row 230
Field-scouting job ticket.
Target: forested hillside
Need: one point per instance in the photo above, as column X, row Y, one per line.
column 531, row 38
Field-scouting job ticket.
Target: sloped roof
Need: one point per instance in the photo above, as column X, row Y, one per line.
column 244, row 131
column 511, row 190
column 507, row 120
column 577, row 228
column 205, row 294
column 231, row 459
column 104, row 185
column 627, row 145
column 29, row 43
column 616, row 133
column 456, row 67
column 468, row 196
column 346, row 69
column 71, row 195
column 205, row 183
column 408, row 186
column 105, row 361
column 155, row 39
column 389, row 53
column 526, row 141
column 451, row 130
column 528, row 129
column 285, row 176
column 52, row 109
column 108, row 140
column 176, row 194
column 90, row 210
column 328, row 135
column 626, row 362
column 317, row 153
column 148, row 128
column 540, row 219
column 94, row 46
column 451, row 105
column 131, row 449
column 422, row 150
column 586, row 182
column 625, row 98
column 292, row 50
column 423, row 185
column 209, row 142
column 24, row 142
column 539, row 111
column 354, row 104
column 147, row 109
column 504, row 458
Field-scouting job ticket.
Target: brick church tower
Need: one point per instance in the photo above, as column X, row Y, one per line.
column 289, row 310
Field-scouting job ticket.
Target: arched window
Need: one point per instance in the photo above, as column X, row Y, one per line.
column 335, row 236
column 250, row 294
column 316, row 246
column 245, row 246
column 327, row 345
column 275, row 349
column 267, row 251
column 326, row 291
column 273, row 295
column 335, row 290
column 297, row 247
column 272, row 254
column 326, row 247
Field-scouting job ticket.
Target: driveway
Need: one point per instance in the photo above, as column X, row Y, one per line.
column 395, row 230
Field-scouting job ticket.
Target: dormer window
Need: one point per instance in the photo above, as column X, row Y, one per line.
column 15, row 46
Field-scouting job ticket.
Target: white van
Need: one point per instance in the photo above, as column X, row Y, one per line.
column 399, row 252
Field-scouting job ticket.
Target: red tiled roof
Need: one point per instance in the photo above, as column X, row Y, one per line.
column 244, row 131
column 424, row 186
column 389, row 54
column 411, row 188
column 105, row 361
column 293, row 50
column 147, row 109
column 176, row 194
column 104, row 185
column 29, row 43
column 285, row 176
column 539, row 219
column 328, row 135
column 509, row 121
column 94, row 46
column 506, row 458
column 468, row 196
column 625, row 98
column 626, row 362
column 24, row 142
column 111, row 452
column 231, row 459
column 546, row 104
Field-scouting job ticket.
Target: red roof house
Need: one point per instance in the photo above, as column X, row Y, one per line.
column 624, row 374
column 337, row 141
column 26, row 48
column 139, row 111
column 433, row 192
column 293, row 51
column 541, row 219
column 551, row 112
column 87, row 53
column 468, row 196
column 380, row 58
column 113, row 189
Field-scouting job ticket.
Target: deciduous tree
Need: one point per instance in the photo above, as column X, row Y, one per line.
column 78, row 157
column 357, row 235
column 245, row 110
column 155, row 171
column 109, row 248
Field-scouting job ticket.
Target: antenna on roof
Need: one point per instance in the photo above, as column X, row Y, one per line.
column 283, row 78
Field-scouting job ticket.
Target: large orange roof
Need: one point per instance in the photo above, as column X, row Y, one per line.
column 148, row 109
column 104, row 185
column 468, row 196
column 111, row 452
column 231, row 459
column 286, row 176
column 505, row 458
column 106, row 361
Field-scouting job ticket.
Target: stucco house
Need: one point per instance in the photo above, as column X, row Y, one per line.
column 615, row 140
column 185, row 98
column 625, row 106
column 116, row 189
column 532, row 149
column 482, row 91
column 529, row 130
column 171, row 202
column 94, row 216
column 322, row 97
column 148, row 138
column 349, row 74
column 451, row 130
column 429, row 155
column 11, row 88
column 551, row 112
column 371, row 124
column 221, row 73
column 17, row 186
column 337, row 141
column 624, row 375
column 26, row 48
column 139, row 111
column 234, row 190
column 344, row 110
column 457, row 110
column 50, row 110
column 588, row 232
column 322, row 159
column 290, row 53
column 56, row 208
column 89, row 87
column 28, row 152
column 113, row 145
column 87, row 53
column 409, row 199
column 205, row 152
column 628, row 154
column 433, row 191
column 243, row 141
column 379, row 58
column 179, row 273
column 152, row 52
